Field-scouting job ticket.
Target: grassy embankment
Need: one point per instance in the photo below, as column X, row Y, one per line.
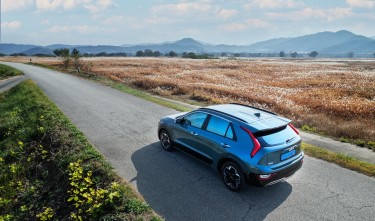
column 313, row 151
column 340, row 159
column 49, row 171
column 6, row 72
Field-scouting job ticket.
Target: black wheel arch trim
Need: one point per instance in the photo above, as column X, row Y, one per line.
column 225, row 159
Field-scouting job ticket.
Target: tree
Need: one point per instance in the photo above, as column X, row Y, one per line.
column 76, row 59
column 191, row 55
column 157, row 54
column 313, row 54
column 351, row 55
column 64, row 55
column 294, row 54
column 148, row 53
column 172, row 54
column 139, row 54
column 282, row 54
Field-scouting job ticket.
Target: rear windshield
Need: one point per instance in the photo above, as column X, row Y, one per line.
column 275, row 136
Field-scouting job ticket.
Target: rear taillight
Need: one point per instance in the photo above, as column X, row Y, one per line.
column 255, row 141
column 295, row 129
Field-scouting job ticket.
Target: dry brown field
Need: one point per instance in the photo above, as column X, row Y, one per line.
column 333, row 97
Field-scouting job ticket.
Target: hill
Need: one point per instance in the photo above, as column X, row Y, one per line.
column 340, row 42
column 327, row 42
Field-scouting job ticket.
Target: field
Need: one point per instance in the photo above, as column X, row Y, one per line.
column 331, row 97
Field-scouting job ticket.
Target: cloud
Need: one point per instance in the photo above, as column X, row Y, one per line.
column 114, row 19
column 11, row 5
column 82, row 29
column 202, row 9
column 361, row 3
column 93, row 6
column 247, row 24
column 11, row 25
column 45, row 22
column 272, row 4
column 183, row 8
column 312, row 13
column 226, row 13
column 99, row 5
column 54, row 4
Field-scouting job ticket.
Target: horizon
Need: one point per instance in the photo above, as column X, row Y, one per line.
column 173, row 41
column 239, row 22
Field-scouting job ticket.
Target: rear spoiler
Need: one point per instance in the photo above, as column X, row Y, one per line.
column 267, row 111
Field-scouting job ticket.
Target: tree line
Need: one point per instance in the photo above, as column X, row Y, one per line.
column 67, row 57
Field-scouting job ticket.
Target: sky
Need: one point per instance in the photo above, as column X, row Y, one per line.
column 237, row 22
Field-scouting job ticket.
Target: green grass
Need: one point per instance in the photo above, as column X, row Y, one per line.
column 340, row 159
column 6, row 72
column 49, row 171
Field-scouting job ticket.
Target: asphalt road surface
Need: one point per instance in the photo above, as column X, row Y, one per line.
column 178, row 187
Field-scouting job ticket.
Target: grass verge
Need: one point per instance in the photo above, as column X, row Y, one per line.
column 6, row 71
column 340, row 159
column 141, row 94
column 119, row 86
column 49, row 171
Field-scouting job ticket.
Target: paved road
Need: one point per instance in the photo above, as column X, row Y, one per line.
column 178, row 187
column 8, row 83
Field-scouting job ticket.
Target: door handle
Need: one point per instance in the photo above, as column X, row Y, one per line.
column 225, row 145
column 193, row 133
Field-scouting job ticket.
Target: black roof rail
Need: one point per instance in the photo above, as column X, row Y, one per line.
column 255, row 108
column 237, row 118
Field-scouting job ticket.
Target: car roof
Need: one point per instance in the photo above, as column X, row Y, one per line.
column 256, row 118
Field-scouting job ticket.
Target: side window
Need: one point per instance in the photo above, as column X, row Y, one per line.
column 195, row 119
column 229, row 133
column 220, row 126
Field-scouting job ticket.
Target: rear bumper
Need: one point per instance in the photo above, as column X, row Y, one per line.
column 276, row 177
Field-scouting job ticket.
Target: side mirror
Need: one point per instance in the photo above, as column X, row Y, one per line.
column 178, row 120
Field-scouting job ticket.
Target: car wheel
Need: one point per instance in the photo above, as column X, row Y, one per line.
column 232, row 176
column 165, row 140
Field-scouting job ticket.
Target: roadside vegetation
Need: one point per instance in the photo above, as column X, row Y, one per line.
column 49, row 171
column 6, row 72
column 340, row 159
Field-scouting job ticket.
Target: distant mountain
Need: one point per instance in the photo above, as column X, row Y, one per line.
column 327, row 42
column 340, row 42
column 38, row 50
column 14, row 48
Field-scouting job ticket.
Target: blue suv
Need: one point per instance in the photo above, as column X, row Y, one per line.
column 243, row 143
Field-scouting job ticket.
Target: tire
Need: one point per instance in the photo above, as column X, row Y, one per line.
column 165, row 140
column 232, row 176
